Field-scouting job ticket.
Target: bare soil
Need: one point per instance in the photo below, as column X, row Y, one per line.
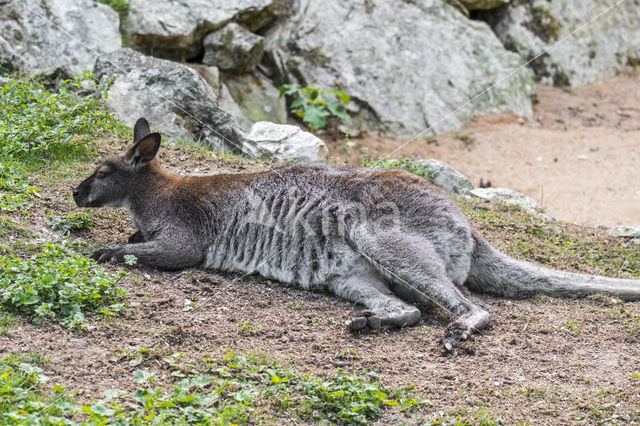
column 545, row 361
column 578, row 155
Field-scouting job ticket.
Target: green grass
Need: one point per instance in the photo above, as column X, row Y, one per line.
column 16, row 194
column 53, row 281
column 234, row 388
column 405, row 164
column 71, row 222
column 39, row 124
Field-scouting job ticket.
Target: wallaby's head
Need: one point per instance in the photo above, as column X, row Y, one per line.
column 118, row 175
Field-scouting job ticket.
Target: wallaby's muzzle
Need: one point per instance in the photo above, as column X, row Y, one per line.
column 81, row 193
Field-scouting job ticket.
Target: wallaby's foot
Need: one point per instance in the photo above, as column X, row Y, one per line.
column 455, row 333
column 463, row 328
column 369, row 320
column 108, row 255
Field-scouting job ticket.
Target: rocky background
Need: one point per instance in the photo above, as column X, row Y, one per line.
column 210, row 69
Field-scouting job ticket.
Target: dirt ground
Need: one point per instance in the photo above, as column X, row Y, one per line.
column 578, row 155
column 543, row 361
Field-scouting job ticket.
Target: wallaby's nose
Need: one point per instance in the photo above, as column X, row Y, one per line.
column 75, row 192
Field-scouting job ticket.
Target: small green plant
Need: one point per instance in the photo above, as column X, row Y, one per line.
column 573, row 327
column 23, row 400
column 70, row 223
column 15, row 192
column 35, row 122
column 120, row 6
column 314, row 105
column 248, row 329
column 7, row 322
column 59, row 284
column 406, row 164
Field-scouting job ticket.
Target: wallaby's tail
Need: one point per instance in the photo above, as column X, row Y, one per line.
column 494, row 272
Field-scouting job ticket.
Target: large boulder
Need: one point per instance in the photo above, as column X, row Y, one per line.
column 43, row 34
column 443, row 175
column 257, row 97
column 281, row 142
column 175, row 29
column 597, row 49
column 233, row 48
column 174, row 97
column 407, row 65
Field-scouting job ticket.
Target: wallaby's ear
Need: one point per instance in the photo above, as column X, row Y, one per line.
column 141, row 129
column 144, row 150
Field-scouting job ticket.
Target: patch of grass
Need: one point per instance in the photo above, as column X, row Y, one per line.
column 24, row 400
column 7, row 322
column 234, row 388
column 37, row 123
column 57, row 283
column 16, row 194
column 571, row 249
column 72, row 222
column 405, row 164
column 573, row 327
column 120, row 6
column 249, row 329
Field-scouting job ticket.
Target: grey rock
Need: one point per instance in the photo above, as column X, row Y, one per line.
column 406, row 65
column 257, row 97
column 509, row 196
column 42, row 34
column 233, row 48
column 174, row 97
column 483, row 4
column 281, row 142
column 445, row 176
column 599, row 49
column 175, row 29
column 226, row 103
column 625, row 231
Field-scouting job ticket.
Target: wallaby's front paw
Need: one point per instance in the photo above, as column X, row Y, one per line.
column 107, row 255
column 371, row 321
column 456, row 332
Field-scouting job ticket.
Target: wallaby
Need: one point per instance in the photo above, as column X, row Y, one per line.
column 381, row 238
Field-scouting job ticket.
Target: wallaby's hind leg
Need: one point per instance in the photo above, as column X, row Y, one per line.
column 419, row 273
column 367, row 288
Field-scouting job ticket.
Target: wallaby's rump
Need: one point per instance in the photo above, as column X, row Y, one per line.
column 382, row 238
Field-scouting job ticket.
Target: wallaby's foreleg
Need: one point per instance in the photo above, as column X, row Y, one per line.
column 154, row 253
column 136, row 237
column 418, row 273
column 386, row 310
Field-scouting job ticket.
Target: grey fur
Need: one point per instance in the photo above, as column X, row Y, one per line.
column 384, row 239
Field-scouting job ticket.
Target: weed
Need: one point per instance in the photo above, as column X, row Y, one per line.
column 313, row 105
column 15, row 192
column 72, row 222
column 248, row 329
column 7, row 322
column 406, row 164
column 59, row 284
column 349, row 354
column 573, row 327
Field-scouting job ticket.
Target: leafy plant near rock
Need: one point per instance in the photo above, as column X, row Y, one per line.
column 316, row 105
column 406, row 164
column 36, row 122
column 120, row 6
column 57, row 283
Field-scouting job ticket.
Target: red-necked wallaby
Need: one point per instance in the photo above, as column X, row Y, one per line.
column 382, row 238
